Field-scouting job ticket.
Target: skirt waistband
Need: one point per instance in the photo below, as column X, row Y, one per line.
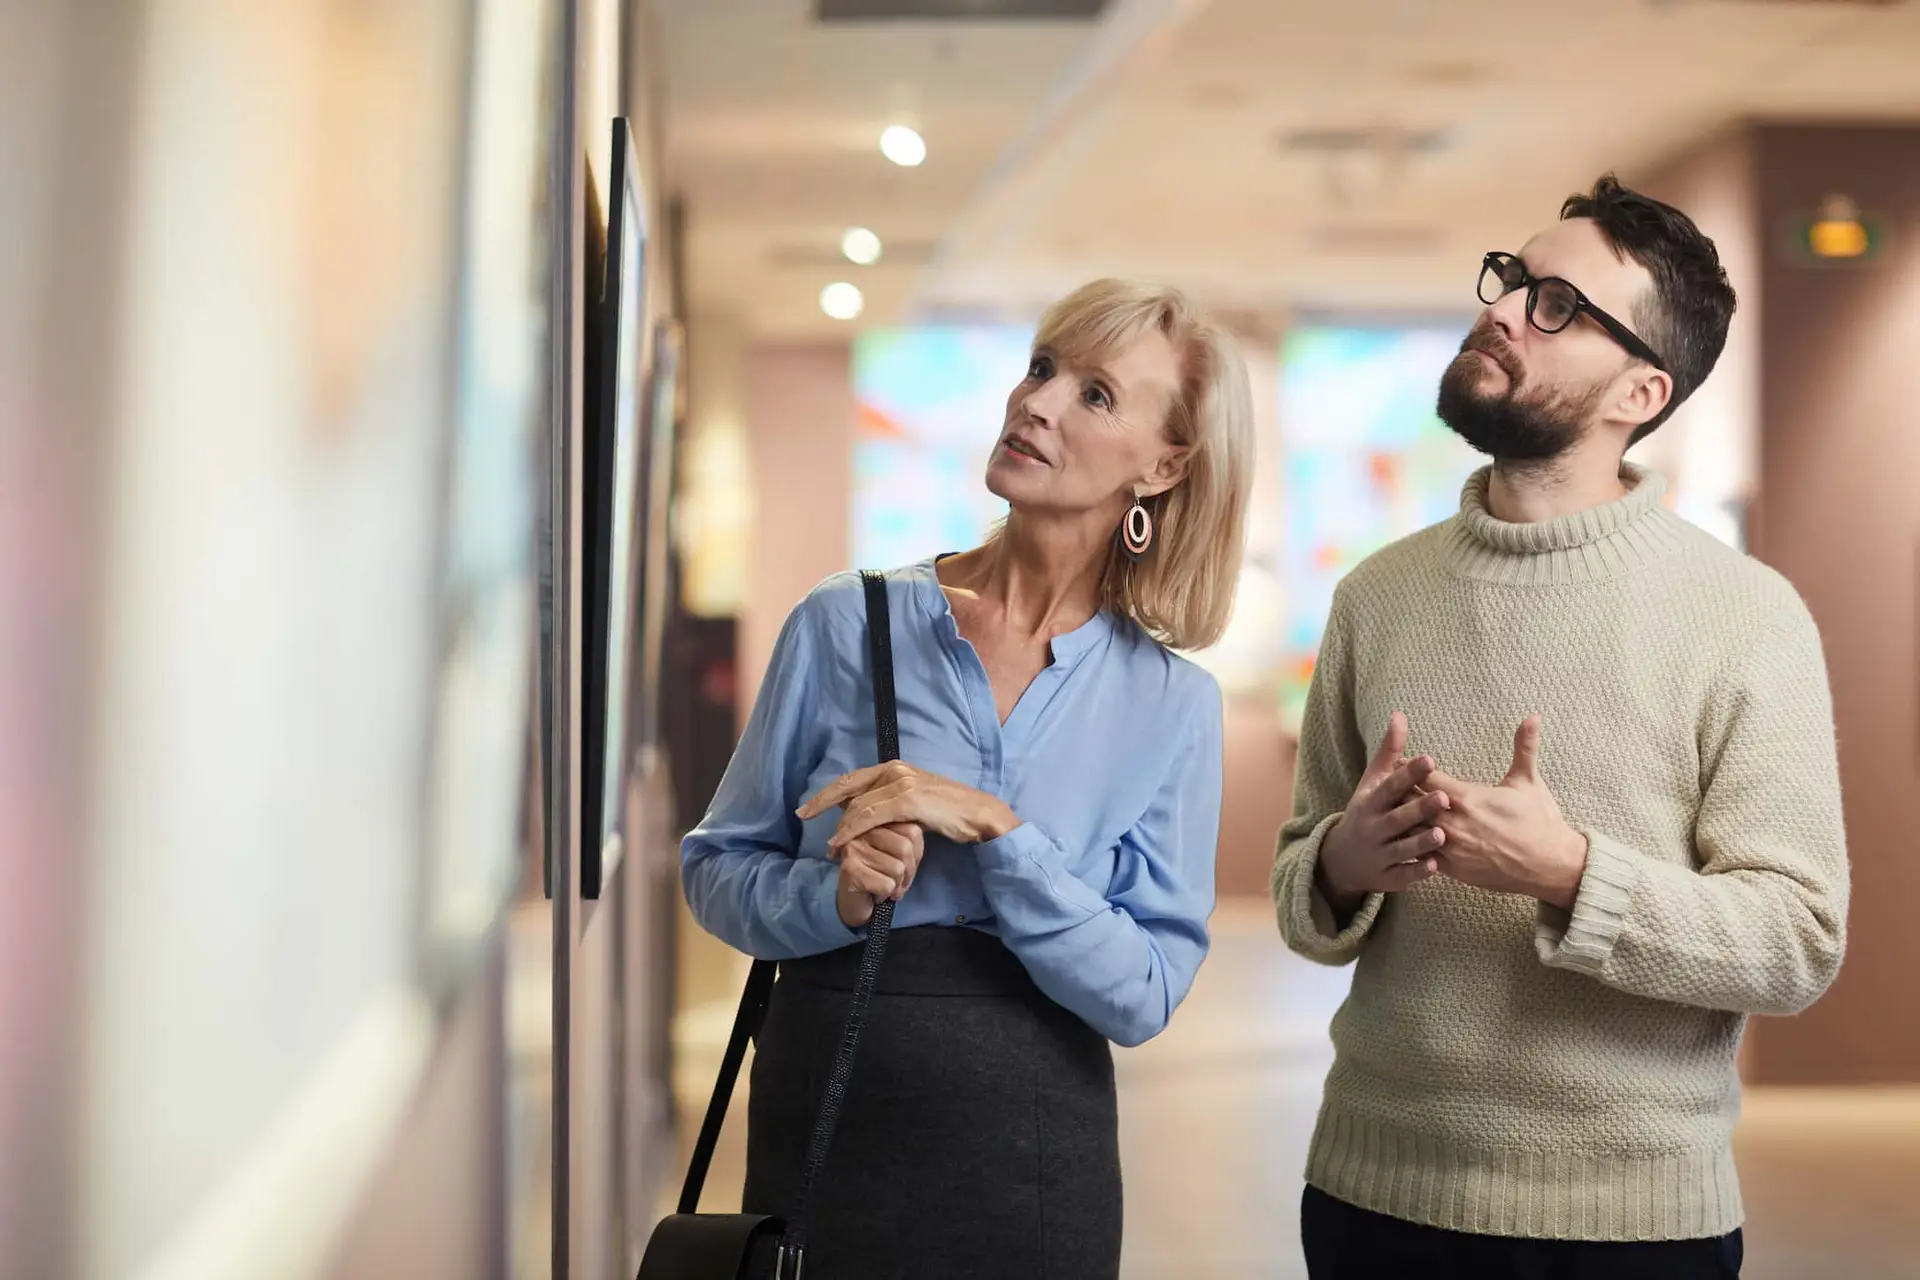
column 931, row 960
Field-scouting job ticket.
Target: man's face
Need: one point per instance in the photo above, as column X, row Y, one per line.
column 1523, row 396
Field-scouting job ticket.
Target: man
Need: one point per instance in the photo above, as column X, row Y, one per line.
column 1619, row 834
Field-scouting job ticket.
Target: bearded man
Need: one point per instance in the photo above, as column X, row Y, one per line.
column 1568, row 795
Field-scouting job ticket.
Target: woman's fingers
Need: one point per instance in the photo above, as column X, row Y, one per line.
column 849, row 785
column 877, row 808
column 898, row 841
column 840, row 790
column 861, row 877
column 874, row 872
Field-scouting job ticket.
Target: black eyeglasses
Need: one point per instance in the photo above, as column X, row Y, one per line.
column 1553, row 303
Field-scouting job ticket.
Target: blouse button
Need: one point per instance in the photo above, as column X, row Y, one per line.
column 959, row 919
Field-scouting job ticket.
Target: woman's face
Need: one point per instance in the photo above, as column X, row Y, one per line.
column 1086, row 439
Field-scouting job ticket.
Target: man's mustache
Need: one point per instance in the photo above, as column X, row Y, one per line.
column 1495, row 348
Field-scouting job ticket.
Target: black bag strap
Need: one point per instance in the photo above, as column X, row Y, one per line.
column 886, row 730
column 753, row 1001
column 746, row 1025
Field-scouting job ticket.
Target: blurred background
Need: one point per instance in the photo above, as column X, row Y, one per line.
column 405, row 469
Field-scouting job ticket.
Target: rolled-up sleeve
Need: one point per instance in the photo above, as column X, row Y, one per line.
column 1332, row 759
column 1760, row 924
column 744, row 880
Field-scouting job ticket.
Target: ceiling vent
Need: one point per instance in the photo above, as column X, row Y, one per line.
column 1447, row 74
column 1361, row 165
column 1374, row 140
column 958, row 10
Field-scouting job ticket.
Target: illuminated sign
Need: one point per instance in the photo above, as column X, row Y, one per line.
column 1837, row 232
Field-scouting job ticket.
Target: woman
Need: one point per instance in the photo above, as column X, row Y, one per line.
column 1048, row 833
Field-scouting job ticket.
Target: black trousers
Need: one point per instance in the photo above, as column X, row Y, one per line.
column 1346, row 1243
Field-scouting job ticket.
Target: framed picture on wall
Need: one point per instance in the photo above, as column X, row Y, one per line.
column 646, row 1070
column 666, row 402
column 614, row 357
column 488, row 673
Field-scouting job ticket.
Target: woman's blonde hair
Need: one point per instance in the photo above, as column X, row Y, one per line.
column 1182, row 593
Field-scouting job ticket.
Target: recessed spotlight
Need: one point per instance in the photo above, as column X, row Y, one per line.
column 903, row 146
column 841, row 300
column 861, row 246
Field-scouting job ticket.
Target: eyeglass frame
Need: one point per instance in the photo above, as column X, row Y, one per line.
column 1581, row 304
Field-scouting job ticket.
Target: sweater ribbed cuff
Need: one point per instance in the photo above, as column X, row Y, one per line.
column 1558, row 1194
column 1582, row 940
column 1306, row 917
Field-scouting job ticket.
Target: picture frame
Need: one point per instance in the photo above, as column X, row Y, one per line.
column 666, row 408
column 614, row 356
column 489, row 672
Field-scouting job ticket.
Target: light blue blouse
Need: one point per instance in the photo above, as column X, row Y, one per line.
column 1111, row 759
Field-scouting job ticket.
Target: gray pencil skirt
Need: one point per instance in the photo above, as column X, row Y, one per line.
column 979, row 1135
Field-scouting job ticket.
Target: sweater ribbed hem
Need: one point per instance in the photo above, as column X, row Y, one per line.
column 1541, row 1195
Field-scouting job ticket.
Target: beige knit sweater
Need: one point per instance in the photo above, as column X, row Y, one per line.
column 1506, row 1068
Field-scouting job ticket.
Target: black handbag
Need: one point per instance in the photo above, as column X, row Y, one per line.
column 690, row 1245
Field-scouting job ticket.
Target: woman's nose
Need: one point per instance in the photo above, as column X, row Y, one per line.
column 1047, row 401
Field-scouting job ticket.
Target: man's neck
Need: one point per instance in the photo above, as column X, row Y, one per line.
column 1579, row 480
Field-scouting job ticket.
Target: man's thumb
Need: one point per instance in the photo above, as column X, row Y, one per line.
column 1526, row 752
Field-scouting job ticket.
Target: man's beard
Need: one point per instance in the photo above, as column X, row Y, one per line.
column 1501, row 424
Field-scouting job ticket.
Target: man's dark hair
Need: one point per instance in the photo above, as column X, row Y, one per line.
column 1686, row 318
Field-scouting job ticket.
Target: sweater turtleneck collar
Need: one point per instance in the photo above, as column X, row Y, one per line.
column 1595, row 543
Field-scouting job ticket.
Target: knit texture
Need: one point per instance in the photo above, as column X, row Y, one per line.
column 1508, row 1068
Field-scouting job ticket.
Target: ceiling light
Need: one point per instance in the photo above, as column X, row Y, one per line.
column 841, row 300
column 861, row 246
column 903, row 146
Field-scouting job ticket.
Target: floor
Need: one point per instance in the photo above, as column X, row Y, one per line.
column 1216, row 1116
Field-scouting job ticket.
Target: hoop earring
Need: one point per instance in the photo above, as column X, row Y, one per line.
column 1136, row 532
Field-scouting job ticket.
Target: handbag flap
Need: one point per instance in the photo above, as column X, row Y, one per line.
column 712, row 1246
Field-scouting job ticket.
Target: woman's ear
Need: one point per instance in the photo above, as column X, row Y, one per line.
column 1168, row 470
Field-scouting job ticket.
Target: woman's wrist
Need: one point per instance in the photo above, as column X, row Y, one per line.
column 996, row 819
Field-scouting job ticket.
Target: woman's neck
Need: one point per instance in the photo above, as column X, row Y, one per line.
column 1040, row 577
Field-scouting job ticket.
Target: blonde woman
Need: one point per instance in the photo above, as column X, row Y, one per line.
column 1047, row 834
